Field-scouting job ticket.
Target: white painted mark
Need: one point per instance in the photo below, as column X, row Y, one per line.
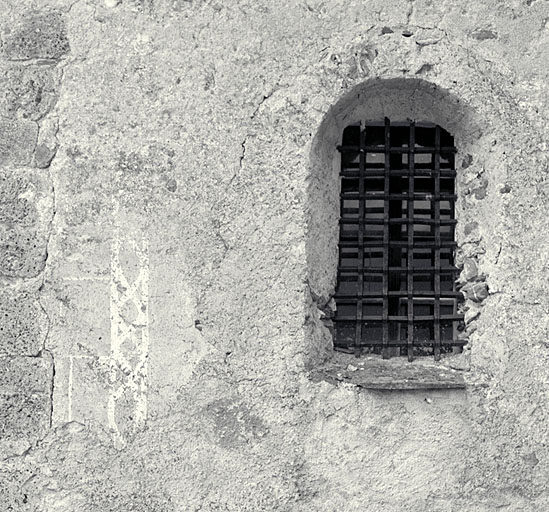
column 71, row 364
column 86, row 278
column 129, row 338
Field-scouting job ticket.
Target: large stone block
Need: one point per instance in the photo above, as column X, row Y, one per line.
column 25, row 197
column 23, row 415
column 36, row 35
column 25, row 375
column 26, row 203
column 23, row 324
column 12, row 495
column 17, row 210
column 17, row 141
column 25, row 401
column 28, row 91
column 23, row 252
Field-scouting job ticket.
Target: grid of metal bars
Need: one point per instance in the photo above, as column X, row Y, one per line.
column 396, row 290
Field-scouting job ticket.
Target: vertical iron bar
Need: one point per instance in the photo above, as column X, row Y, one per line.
column 437, row 244
column 410, row 211
column 360, row 262
column 452, row 204
column 385, row 351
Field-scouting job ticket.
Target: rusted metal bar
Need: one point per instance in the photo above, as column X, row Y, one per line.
column 410, row 254
column 360, row 259
column 436, row 347
column 381, row 149
column 375, row 278
column 385, row 352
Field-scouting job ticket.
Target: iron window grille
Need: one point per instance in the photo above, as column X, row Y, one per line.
column 396, row 292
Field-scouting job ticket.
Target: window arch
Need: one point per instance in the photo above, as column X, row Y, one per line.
column 395, row 292
column 399, row 100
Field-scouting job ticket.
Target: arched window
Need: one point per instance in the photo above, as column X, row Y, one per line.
column 396, row 291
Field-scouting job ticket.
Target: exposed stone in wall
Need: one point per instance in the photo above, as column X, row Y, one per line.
column 17, row 141
column 25, row 215
column 25, row 399
column 29, row 91
column 23, row 324
column 34, row 35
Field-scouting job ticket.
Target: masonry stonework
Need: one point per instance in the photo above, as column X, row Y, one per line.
column 168, row 228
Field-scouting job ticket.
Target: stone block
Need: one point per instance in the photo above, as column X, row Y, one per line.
column 17, row 141
column 26, row 375
column 12, row 495
column 26, row 204
column 18, row 211
column 36, row 35
column 44, row 155
column 19, row 191
column 475, row 291
column 470, row 270
column 23, row 252
column 25, row 400
column 482, row 34
column 23, row 415
column 46, row 147
column 26, row 197
column 28, row 91
column 23, row 324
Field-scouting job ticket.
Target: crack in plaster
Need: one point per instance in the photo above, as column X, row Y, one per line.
column 48, row 243
column 73, row 4
column 242, row 155
column 247, row 135
column 265, row 98
column 52, row 387
column 498, row 254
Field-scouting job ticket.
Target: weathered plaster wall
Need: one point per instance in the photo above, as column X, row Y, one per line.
column 161, row 274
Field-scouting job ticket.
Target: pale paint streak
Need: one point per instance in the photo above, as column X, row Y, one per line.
column 69, row 391
column 129, row 371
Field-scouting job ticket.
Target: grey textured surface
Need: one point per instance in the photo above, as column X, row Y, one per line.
column 373, row 372
column 25, row 402
column 35, row 35
column 167, row 238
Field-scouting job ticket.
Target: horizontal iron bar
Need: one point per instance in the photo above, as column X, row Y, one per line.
column 397, row 149
column 397, row 318
column 414, row 270
column 442, row 222
column 382, row 195
column 368, row 301
column 422, row 166
column 351, row 173
column 403, row 293
column 375, row 213
column 417, row 244
column 394, row 344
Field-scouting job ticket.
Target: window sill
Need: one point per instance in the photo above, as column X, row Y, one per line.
column 375, row 373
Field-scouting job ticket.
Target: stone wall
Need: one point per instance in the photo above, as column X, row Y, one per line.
column 168, row 185
column 29, row 81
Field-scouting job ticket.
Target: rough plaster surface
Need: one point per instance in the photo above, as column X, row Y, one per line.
column 169, row 182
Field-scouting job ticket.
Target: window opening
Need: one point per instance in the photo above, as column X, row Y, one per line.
column 396, row 292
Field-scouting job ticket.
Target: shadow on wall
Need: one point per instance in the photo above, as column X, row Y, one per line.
column 400, row 100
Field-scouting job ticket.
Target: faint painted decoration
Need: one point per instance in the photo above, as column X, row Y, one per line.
column 129, row 311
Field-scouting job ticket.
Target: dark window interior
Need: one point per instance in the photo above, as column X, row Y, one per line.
column 396, row 291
